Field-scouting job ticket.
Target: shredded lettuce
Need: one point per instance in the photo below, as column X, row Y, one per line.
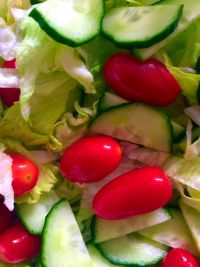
column 192, row 218
column 6, row 189
column 183, row 171
column 8, row 42
column 189, row 83
column 193, row 113
column 184, row 50
column 71, row 191
column 173, row 233
column 188, row 200
column 6, row 7
column 48, row 56
column 8, row 78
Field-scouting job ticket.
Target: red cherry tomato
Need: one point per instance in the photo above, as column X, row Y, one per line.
column 90, row 159
column 6, row 217
column 136, row 192
column 178, row 257
column 9, row 95
column 25, row 174
column 135, row 80
column 17, row 244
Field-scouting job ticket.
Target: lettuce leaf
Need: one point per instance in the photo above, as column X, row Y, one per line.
column 8, row 78
column 71, row 191
column 183, row 171
column 47, row 179
column 72, row 127
column 8, row 42
column 6, row 7
column 189, row 83
column 48, row 56
column 184, row 50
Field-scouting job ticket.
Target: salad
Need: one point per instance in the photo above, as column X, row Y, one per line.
column 99, row 133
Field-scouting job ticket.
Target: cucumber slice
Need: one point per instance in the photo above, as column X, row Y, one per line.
column 137, row 27
column 132, row 250
column 173, row 233
column 33, row 215
column 136, row 123
column 192, row 218
column 71, row 22
column 97, row 259
column 191, row 13
column 62, row 243
column 103, row 230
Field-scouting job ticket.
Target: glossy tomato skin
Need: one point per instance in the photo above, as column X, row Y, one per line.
column 7, row 217
column 90, row 159
column 25, row 174
column 178, row 257
column 136, row 192
column 17, row 244
column 149, row 81
column 9, row 95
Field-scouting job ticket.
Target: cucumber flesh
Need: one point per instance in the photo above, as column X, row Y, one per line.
column 103, row 230
column 71, row 22
column 136, row 123
column 132, row 250
column 62, row 243
column 192, row 218
column 137, row 27
column 33, row 215
column 173, row 233
column 97, row 259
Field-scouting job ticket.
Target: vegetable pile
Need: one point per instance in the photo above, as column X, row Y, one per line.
column 99, row 133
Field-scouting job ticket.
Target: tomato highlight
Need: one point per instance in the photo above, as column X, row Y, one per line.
column 90, row 159
column 149, row 81
column 133, row 193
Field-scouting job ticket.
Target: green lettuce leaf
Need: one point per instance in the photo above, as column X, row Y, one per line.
column 183, row 171
column 48, row 56
column 6, row 7
column 184, row 50
column 72, row 127
column 13, row 125
column 189, row 83
column 47, row 179
column 71, row 191
column 191, row 201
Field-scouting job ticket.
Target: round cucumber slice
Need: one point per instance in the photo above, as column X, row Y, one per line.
column 140, row 27
column 71, row 22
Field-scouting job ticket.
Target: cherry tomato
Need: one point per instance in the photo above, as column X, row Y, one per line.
column 178, row 257
column 136, row 192
column 90, row 159
column 9, row 95
column 7, row 217
column 135, row 80
column 25, row 174
column 17, row 244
